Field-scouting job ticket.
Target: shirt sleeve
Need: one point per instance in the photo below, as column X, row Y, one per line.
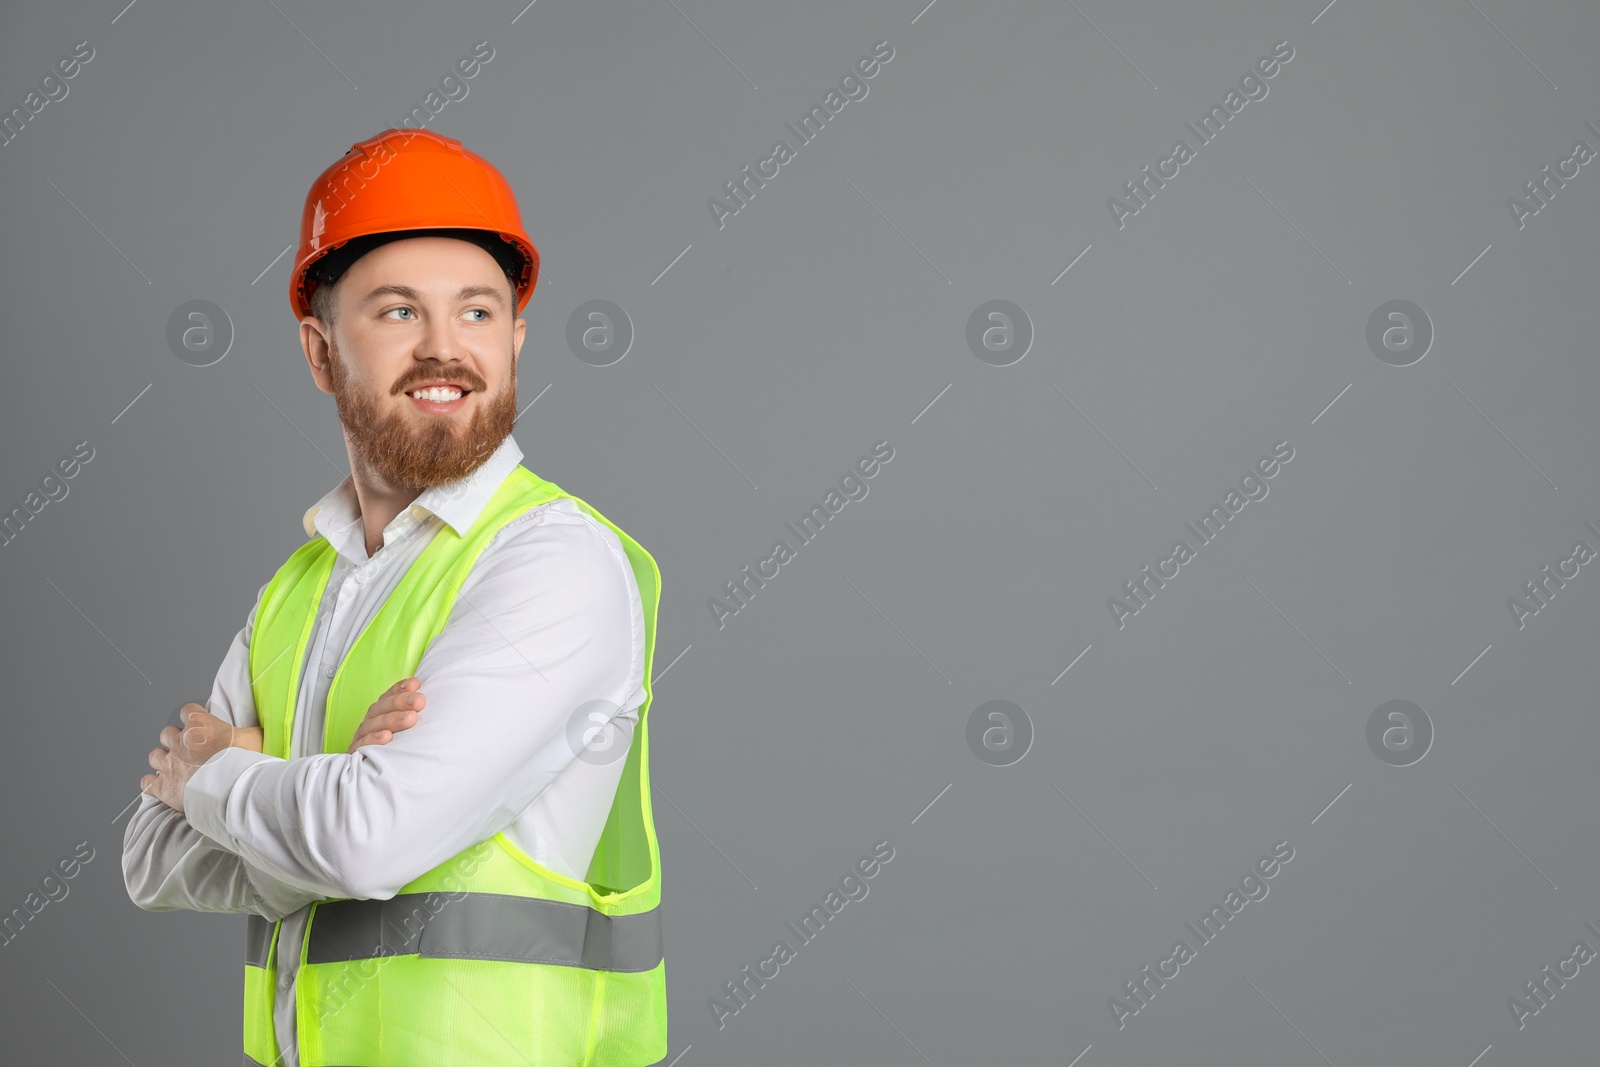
column 168, row 865
column 544, row 641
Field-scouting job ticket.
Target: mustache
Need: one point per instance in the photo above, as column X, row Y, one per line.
column 473, row 383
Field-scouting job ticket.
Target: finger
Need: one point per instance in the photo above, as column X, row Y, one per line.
column 199, row 718
column 372, row 736
column 158, row 758
column 169, row 736
column 396, row 702
column 369, row 724
column 392, row 722
column 375, row 737
column 395, row 721
column 410, row 692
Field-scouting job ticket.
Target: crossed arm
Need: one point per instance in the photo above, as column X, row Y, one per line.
column 168, row 865
column 545, row 630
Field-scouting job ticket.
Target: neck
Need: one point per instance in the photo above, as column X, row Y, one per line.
column 379, row 500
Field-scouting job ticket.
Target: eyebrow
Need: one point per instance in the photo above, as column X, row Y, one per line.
column 408, row 293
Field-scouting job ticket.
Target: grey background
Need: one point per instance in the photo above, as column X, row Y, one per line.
column 829, row 713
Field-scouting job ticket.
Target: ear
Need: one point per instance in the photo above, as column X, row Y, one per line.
column 314, row 337
column 519, row 330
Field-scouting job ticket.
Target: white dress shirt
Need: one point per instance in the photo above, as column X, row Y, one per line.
column 548, row 620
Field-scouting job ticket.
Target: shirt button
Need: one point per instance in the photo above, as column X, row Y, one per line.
column 285, row 981
column 329, row 672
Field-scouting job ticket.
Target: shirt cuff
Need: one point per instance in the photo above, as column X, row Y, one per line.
column 205, row 798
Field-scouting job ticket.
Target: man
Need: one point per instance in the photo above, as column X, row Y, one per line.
column 424, row 767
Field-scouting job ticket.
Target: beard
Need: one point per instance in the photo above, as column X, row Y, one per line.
column 433, row 452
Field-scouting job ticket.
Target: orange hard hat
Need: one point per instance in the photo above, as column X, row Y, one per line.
column 410, row 180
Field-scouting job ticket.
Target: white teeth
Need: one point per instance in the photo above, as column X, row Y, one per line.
column 439, row 393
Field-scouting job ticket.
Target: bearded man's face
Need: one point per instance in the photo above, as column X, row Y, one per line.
column 422, row 320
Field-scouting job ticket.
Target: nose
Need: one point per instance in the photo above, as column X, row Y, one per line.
column 438, row 342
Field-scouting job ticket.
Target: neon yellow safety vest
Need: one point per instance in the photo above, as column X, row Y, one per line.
column 489, row 959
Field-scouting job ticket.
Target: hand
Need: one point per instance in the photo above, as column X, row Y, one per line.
column 204, row 734
column 183, row 752
column 395, row 710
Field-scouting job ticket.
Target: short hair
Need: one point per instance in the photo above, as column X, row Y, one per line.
column 322, row 302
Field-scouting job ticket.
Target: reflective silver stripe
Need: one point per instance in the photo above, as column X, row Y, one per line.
column 258, row 941
column 491, row 926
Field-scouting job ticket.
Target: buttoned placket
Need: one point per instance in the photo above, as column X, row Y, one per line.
column 330, row 656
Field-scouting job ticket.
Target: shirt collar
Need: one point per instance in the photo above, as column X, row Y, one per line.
column 459, row 503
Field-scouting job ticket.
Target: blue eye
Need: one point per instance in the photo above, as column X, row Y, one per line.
column 393, row 310
column 481, row 311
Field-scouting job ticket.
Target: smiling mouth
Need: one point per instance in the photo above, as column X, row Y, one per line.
column 439, row 398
